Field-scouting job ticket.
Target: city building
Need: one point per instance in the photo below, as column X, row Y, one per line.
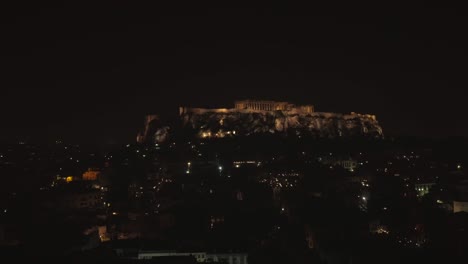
column 86, row 199
column 251, row 163
column 201, row 257
column 91, row 174
column 348, row 164
column 459, row 206
column 423, row 188
column 75, row 195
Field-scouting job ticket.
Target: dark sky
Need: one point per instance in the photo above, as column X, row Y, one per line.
column 87, row 72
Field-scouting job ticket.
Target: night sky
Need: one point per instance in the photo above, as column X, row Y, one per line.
column 89, row 73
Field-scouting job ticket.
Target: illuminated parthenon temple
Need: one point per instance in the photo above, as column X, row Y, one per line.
column 272, row 106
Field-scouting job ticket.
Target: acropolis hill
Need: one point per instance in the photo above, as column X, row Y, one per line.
column 250, row 117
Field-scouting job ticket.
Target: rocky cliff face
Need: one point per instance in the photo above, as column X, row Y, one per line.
column 153, row 131
column 234, row 122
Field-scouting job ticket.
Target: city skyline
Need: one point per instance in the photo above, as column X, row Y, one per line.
column 204, row 132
